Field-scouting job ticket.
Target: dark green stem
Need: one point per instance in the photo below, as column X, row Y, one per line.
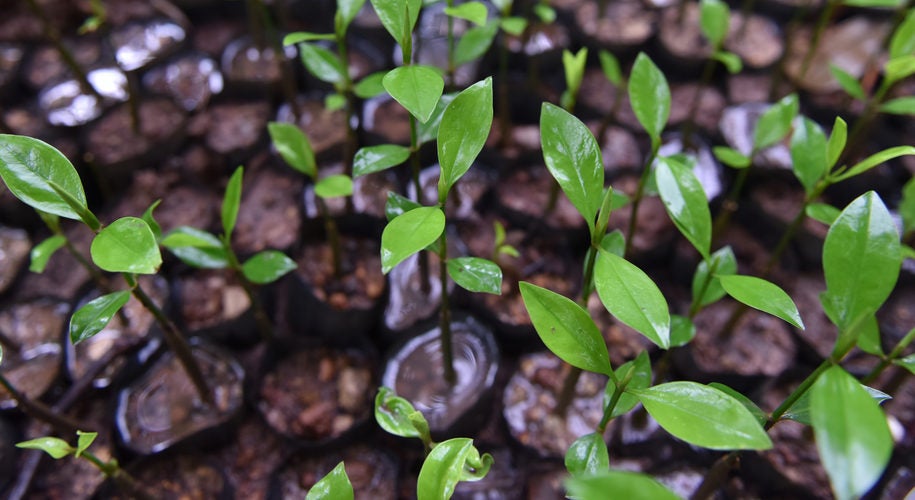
column 445, row 314
column 121, row 477
column 264, row 327
column 620, row 388
column 696, row 305
column 888, row 360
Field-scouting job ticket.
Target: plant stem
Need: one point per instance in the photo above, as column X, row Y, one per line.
column 824, row 19
column 264, row 326
column 54, row 35
column 62, row 423
column 696, row 305
column 887, row 360
column 121, row 477
column 332, row 232
column 451, row 67
column 637, row 199
column 730, row 205
column 445, row 314
column 620, row 388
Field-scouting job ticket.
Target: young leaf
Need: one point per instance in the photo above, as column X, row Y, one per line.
column 95, row 315
column 852, row 434
column 704, row 416
column 682, row 330
column 649, row 95
column 29, row 167
column 151, row 221
column 231, row 202
column 334, row 486
column 545, row 13
column 56, row 447
column 416, row 88
column 196, row 248
column 611, row 67
column 476, row 274
column 84, row 441
column 623, row 484
column 685, row 202
column 731, row 157
column 43, row 251
column 587, row 456
column 446, row 465
column 640, row 378
column 334, row 186
column 463, row 132
column 899, row 106
column 294, row 147
column 827, row 214
column 348, row 10
column 903, row 41
column 370, row 86
column 714, row 16
column 474, row 12
column 373, row 159
column 475, row 42
column 392, row 413
column 267, row 267
column 393, row 15
column 875, row 160
column 126, row 246
column 397, row 205
column 334, row 101
column 305, row 36
column 573, row 157
column 861, row 260
column 907, row 206
column 869, row 337
column 322, row 63
column 409, row 233
column 836, row 141
column 763, row 295
column 730, row 60
column 775, row 123
column 899, row 68
column 849, row 84
column 808, row 154
column 722, row 263
column 566, row 329
column 513, row 25
column 800, row 410
column 574, row 67
column 632, row 297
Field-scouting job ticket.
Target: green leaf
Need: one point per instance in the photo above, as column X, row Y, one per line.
column 632, row 297
column 763, row 295
column 639, row 379
column 827, row 214
column 704, row 416
column 623, row 484
column 836, row 141
column 903, row 41
column 398, row 204
column 869, row 337
column 721, row 263
column 775, row 122
column 151, row 221
column 463, row 132
column 474, row 12
column 730, row 60
column 392, row 413
column 95, row 315
column 760, row 415
column 800, row 410
column 476, row 274
column 574, row 67
column 196, row 248
column 29, row 166
column 852, row 434
column 566, row 329
column 267, row 267
column 685, row 202
column 429, row 131
column 907, row 206
column 875, row 160
column 334, row 101
column 649, row 95
column 305, row 36
column 126, row 246
column 899, row 68
column 475, row 42
column 872, row 3
column 409, row 233
column 334, row 486
column 373, row 159
column 43, row 251
column 370, row 86
column 849, row 84
column 682, row 330
column 398, row 16
column 714, row 16
column 587, row 456
column 573, row 157
column 731, row 157
column 322, row 63
column 899, row 106
column 545, row 13
column 614, row 242
column 446, row 465
column 348, row 10
column 808, row 154
column 417, row 88
column 334, row 186
column 294, row 147
column 231, row 201
column 56, row 447
column 861, row 260
column 907, row 362
column 84, row 441
column 610, row 65
column 77, row 206
column 513, row 25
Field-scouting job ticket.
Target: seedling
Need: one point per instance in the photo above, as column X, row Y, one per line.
column 200, row 249
column 610, row 67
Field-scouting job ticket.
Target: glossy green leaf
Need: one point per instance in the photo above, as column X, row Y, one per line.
column 373, row 159
column 429, row 131
column 869, row 336
column 758, row 414
column 623, row 484
column 808, row 154
column 903, row 40
column 907, row 362
column 587, row 456
column 849, row 84
column 463, row 132
column 305, row 36
column 722, row 262
column 475, row 42
column 704, row 416
column 861, row 260
column 449, row 463
column 398, row 17
column 836, row 143
column 649, row 95
column 77, row 206
column 899, row 68
column 476, row 274
column 347, row 10
column 899, row 106
column 632, row 297
column 334, row 486
column 370, row 86
column 614, row 242
column 513, row 25
column 907, row 206
column 573, row 157
column 196, row 248
column 95, row 315
column 128, row 246
column 151, row 220
column 685, row 202
column 294, row 147
column 566, row 329
column 43, row 251
column 827, row 214
column 730, row 60
column 29, row 166
column 851, row 431
column 574, row 68
column 392, row 413
column 416, row 88
column 56, row 447
column 731, row 157
column 398, row 204
column 640, row 378
column 334, row 186
column 267, row 267
column 763, row 295
column 322, row 63
column 474, row 12
column 610, row 65
column 874, row 160
column 775, row 122
column 83, row 441
column 682, row 330
column 231, row 201
column 409, row 233
column 714, row 16
column 800, row 410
